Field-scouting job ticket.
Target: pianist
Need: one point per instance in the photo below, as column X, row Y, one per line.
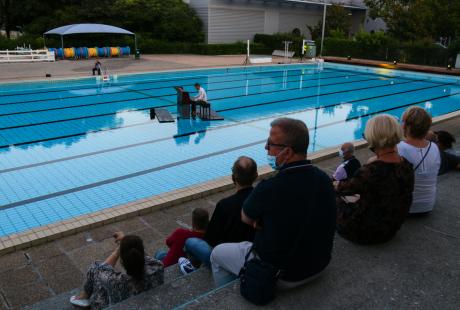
column 200, row 99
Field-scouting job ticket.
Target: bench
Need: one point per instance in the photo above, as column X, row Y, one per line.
column 281, row 53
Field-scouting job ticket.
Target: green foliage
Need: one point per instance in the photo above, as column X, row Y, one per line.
column 164, row 47
column 379, row 46
column 338, row 22
column 418, row 19
column 171, row 20
column 273, row 42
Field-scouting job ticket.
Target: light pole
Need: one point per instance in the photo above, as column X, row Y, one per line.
column 324, row 27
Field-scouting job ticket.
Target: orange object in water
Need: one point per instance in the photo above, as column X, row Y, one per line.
column 114, row 51
column 69, row 52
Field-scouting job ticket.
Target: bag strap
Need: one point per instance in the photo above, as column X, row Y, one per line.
column 423, row 158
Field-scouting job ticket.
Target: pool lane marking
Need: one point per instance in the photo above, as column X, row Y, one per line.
column 153, row 88
column 214, row 99
column 329, row 71
column 127, row 176
column 236, row 123
column 140, row 91
column 304, row 67
column 190, row 160
column 169, row 79
column 139, row 124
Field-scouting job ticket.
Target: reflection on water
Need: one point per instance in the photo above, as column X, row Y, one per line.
column 85, row 126
column 186, row 127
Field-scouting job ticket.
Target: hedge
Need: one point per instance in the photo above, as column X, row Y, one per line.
column 420, row 52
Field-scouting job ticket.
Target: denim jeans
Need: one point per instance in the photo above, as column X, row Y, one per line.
column 161, row 254
column 198, row 249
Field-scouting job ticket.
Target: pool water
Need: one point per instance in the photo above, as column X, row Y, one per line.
column 74, row 147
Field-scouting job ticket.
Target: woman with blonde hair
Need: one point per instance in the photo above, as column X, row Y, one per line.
column 372, row 205
column 424, row 156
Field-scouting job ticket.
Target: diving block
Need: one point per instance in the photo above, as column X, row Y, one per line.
column 163, row 115
column 212, row 116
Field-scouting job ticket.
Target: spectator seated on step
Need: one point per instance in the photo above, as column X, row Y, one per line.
column 424, row 156
column 176, row 240
column 373, row 204
column 450, row 160
column 226, row 224
column 104, row 286
column 293, row 212
column 350, row 164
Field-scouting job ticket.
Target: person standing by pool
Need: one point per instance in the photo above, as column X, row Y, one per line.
column 200, row 99
column 424, row 156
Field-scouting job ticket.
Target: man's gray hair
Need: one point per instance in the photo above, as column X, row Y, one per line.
column 295, row 133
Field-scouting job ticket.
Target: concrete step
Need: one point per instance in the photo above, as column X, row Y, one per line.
column 172, row 294
column 61, row 301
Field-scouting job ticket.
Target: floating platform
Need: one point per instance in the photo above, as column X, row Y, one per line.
column 163, row 115
column 213, row 116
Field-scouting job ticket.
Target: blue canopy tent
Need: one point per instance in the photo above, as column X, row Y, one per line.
column 88, row 28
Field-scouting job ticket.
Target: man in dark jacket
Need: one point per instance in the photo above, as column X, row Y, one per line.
column 294, row 213
column 347, row 169
column 225, row 225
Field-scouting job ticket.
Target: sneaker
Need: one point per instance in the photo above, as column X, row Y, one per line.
column 83, row 303
column 185, row 265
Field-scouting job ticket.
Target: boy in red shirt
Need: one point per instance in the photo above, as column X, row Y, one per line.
column 176, row 241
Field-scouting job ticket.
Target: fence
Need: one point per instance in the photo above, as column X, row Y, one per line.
column 26, row 56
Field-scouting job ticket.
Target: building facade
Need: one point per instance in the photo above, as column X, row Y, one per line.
column 228, row 21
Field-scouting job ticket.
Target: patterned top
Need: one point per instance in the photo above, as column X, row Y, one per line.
column 107, row 286
column 385, row 196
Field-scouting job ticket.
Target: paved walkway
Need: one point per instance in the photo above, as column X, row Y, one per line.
column 40, row 272
column 82, row 68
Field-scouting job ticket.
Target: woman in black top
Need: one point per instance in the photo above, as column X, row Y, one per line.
column 372, row 206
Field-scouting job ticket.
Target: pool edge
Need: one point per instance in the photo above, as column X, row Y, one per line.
column 81, row 223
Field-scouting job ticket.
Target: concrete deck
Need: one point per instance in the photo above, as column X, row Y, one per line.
column 13, row 72
column 419, row 269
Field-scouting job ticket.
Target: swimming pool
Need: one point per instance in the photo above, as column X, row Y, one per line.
column 74, row 147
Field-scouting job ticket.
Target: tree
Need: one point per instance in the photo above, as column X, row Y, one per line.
column 171, row 20
column 418, row 19
column 338, row 20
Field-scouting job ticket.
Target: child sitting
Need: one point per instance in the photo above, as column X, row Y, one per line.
column 176, row 241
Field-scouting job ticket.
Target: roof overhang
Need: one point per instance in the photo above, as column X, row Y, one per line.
column 88, row 28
